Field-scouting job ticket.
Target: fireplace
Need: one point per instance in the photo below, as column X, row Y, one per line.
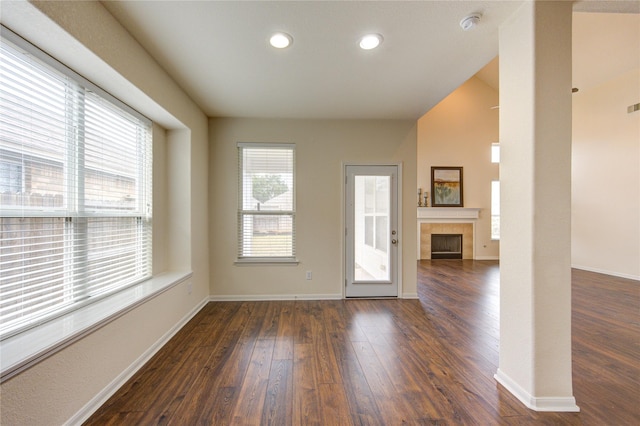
column 446, row 246
column 447, row 220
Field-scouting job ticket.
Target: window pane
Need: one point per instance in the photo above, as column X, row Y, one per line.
column 495, row 210
column 115, row 252
column 266, row 183
column 267, row 236
column 382, row 233
column 32, row 259
column 382, row 194
column 10, row 176
column 369, row 230
column 369, row 192
column 33, row 131
column 267, row 180
column 495, row 152
column 371, row 200
column 111, row 156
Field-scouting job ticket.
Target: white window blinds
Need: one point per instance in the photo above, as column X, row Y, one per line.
column 266, row 202
column 75, row 190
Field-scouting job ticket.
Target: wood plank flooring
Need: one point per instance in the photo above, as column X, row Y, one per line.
column 382, row 362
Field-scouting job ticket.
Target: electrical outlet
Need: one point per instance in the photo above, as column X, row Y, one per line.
column 189, row 288
column 309, row 275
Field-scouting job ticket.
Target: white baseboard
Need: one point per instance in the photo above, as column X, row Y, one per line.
column 264, row 298
column 555, row 404
column 106, row 393
column 487, row 258
column 606, row 272
column 267, row 297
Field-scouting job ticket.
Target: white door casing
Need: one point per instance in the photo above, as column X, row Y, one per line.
column 371, row 231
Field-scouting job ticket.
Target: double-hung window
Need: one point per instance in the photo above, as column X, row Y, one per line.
column 75, row 190
column 266, row 203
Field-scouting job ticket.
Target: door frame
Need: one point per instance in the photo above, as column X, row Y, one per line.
column 343, row 224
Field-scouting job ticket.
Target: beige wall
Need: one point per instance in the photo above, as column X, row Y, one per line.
column 85, row 36
column 322, row 147
column 606, row 178
column 459, row 131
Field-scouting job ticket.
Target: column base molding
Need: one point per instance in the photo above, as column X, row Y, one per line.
column 548, row 403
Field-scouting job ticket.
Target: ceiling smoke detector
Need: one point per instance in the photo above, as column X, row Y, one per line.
column 470, row 22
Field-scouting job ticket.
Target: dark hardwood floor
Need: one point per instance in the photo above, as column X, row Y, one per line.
column 382, row 362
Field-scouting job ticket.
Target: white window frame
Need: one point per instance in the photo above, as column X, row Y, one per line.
column 22, row 348
column 243, row 258
column 495, row 152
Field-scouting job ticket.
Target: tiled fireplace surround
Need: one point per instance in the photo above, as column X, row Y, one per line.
column 446, row 220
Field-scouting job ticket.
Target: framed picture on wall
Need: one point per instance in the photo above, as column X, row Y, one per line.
column 446, row 187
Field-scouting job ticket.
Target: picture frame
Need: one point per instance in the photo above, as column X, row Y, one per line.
column 446, row 187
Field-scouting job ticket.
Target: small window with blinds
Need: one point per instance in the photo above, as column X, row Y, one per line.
column 75, row 190
column 266, row 202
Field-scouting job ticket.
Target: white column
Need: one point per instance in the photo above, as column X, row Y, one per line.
column 535, row 235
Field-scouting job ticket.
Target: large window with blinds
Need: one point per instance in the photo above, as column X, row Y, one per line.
column 75, row 190
column 266, row 202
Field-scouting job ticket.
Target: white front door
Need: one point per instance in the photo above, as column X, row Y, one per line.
column 371, row 232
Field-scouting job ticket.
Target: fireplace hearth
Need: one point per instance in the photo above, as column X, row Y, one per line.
column 446, row 246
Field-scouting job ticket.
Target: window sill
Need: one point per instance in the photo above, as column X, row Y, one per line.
column 26, row 349
column 267, row 261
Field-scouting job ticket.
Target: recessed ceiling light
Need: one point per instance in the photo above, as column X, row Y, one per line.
column 280, row 40
column 370, row 41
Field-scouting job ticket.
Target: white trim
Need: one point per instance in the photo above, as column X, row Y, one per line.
column 24, row 350
column 272, row 297
column 101, row 397
column 448, row 213
column 266, row 145
column 487, row 258
column 556, row 404
column 606, row 272
column 410, row 296
column 399, row 190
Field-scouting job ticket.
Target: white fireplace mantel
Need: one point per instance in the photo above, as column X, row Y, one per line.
column 448, row 213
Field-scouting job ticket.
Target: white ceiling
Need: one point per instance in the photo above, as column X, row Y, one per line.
column 218, row 52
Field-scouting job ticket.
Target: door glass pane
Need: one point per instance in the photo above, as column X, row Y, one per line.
column 371, row 223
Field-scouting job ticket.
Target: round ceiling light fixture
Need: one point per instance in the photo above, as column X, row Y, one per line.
column 470, row 22
column 370, row 41
column 280, row 40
